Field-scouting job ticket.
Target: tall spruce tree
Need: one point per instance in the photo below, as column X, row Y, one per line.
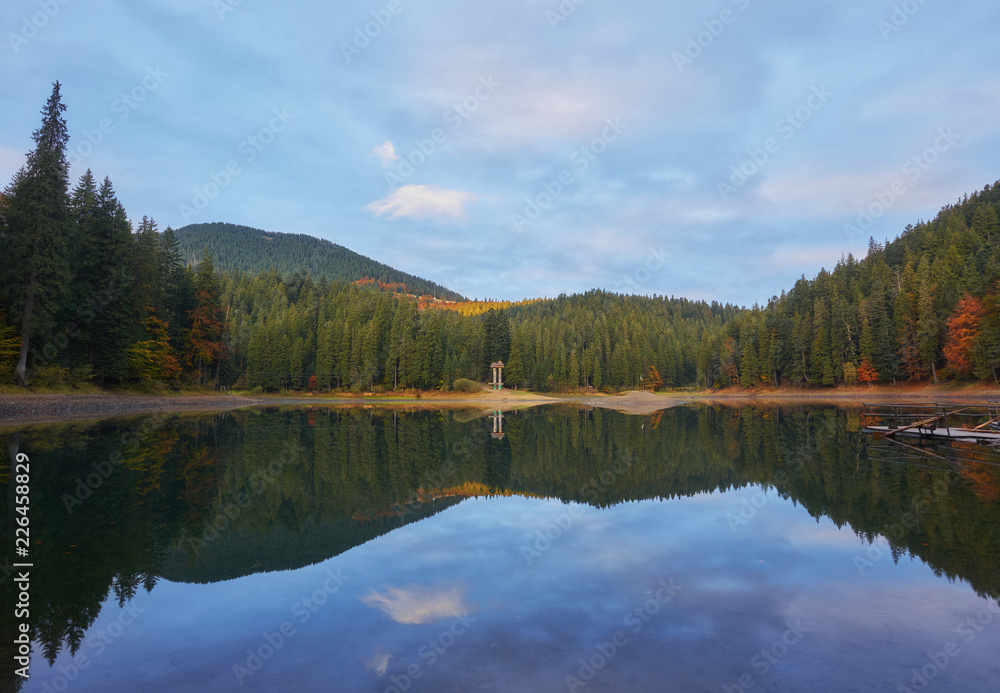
column 928, row 333
column 496, row 336
column 149, row 281
column 85, row 264
column 36, row 226
column 177, row 285
column 114, row 326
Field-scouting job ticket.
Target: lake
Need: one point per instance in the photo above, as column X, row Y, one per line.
column 701, row 548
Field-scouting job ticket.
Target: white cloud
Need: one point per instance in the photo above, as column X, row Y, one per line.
column 415, row 605
column 386, row 152
column 423, row 202
column 379, row 662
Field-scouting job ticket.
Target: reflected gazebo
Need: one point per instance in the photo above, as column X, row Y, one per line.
column 497, row 425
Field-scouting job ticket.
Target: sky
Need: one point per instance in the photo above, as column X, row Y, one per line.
column 712, row 150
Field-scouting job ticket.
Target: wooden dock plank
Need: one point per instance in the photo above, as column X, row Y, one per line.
column 967, row 434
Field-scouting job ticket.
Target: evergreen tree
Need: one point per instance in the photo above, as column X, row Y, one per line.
column 927, row 321
column 986, row 348
column 112, row 330
column 573, row 380
column 177, row 286
column 496, row 336
column 749, row 362
column 36, row 226
column 149, row 278
column 79, row 306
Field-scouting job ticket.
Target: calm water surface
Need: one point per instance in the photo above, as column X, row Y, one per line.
column 697, row 549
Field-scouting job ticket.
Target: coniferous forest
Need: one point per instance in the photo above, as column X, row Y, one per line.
column 88, row 295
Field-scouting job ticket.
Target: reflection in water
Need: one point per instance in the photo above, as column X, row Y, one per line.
column 498, row 425
column 118, row 506
column 418, row 604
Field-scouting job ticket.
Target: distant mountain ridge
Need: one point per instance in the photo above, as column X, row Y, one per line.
column 237, row 248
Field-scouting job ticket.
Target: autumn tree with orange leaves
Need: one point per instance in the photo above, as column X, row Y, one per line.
column 154, row 359
column 655, row 380
column 205, row 344
column 867, row 373
column 963, row 330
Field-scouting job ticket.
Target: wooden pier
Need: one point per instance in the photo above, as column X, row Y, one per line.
column 939, row 421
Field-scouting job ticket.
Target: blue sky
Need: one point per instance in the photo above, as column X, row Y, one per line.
column 527, row 147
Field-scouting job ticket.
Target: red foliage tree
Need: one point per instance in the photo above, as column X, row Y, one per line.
column 963, row 328
column 655, row 381
column 204, row 340
column 867, row 373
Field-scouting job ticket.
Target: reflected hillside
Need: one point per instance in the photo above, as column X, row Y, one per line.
column 118, row 505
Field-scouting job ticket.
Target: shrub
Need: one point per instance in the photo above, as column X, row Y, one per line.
column 80, row 375
column 466, row 385
column 50, row 376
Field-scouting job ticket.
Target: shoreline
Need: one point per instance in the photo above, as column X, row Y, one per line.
column 27, row 409
column 24, row 409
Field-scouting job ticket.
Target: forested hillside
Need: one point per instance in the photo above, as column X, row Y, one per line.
column 286, row 330
column 84, row 295
column 924, row 306
column 244, row 249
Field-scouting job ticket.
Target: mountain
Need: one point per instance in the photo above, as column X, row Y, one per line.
column 244, row 249
column 239, row 551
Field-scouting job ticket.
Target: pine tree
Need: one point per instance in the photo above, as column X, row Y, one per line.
column 177, row 286
column 749, row 362
column 886, row 354
column 573, row 380
column 496, row 336
column 800, row 370
column 927, row 322
column 36, row 226
column 79, row 299
column 986, row 348
column 906, row 315
column 112, row 330
column 986, row 224
column 514, row 373
column 598, row 378
column 149, row 281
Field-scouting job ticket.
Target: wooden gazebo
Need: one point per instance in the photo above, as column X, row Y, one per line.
column 497, row 375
